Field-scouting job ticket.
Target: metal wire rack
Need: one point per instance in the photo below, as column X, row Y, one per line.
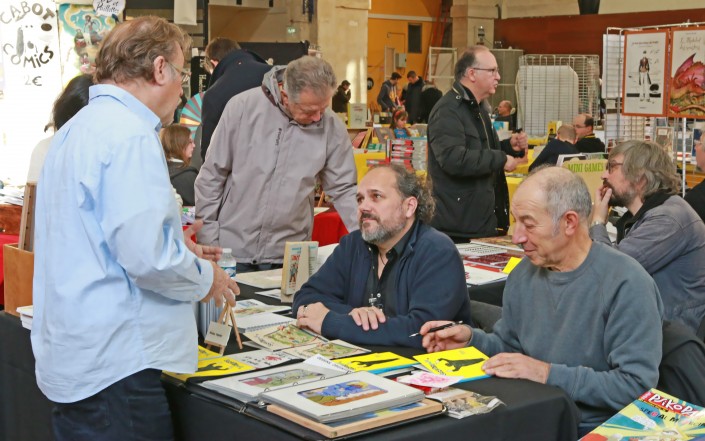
column 555, row 88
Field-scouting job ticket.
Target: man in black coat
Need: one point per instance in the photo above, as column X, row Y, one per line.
column 587, row 141
column 233, row 70
column 341, row 98
column 466, row 160
column 411, row 96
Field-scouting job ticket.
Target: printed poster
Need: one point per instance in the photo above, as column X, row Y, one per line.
column 81, row 31
column 687, row 76
column 643, row 91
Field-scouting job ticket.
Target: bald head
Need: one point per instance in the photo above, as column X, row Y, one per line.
column 504, row 108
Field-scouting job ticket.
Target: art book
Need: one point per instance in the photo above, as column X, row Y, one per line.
column 377, row 363
column 249, row 307
column 462, row 362
column 653, row 416
column 343, row 397
column 263, row 320
column 276, row 338
column 480, row 275
column 248, row 387
column 366, row 421
column 299, row 265
column 213, row 367
column 330, row 349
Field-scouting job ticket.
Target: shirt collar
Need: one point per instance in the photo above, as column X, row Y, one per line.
column 128, row 100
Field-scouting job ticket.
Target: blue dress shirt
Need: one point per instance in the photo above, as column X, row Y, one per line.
column 114, row 284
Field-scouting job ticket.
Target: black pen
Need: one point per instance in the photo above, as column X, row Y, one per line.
column 438, row 328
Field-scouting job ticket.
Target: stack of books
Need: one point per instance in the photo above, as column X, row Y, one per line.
column 409, row 152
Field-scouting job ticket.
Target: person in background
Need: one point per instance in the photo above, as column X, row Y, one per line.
column 273, row 144
column 562, row 144
column 660, row 230
column 429, row 97
column 569, row 292
column 116, row 277
column 466, row 160
column 387, row 97
column 72, row 99
column 395, row 273
column 587, row 141
column 411, row 96
column 696, row 195
column 398, row 124
column 341, row 97
column 178, row 149
column 504, row 113
column 233, row 70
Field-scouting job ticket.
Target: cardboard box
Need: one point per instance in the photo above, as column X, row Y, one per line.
column 19, row 272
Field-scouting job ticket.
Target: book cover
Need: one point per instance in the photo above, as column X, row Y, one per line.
column 377, row 363
column 366, row 421
column 343, row 397
column 213, row 367
column 248, row 387
column 249, row 307
column 655, row 415
column 479, row 275
column 299, row 265
column 205, row 354
column 283, row 337
column 462, row 362
column 332, row 349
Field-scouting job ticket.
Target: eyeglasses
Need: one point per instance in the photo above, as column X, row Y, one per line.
column 185, row 74
column 492, row 71
column 611, row 165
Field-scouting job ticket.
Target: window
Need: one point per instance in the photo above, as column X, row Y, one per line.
column 414, row 39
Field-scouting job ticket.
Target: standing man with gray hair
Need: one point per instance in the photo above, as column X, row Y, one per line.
column 466, row 160
column 660, row 229
column 569, row 293
column 272, row 144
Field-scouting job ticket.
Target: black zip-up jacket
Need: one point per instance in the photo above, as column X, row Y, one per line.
column 466, row 163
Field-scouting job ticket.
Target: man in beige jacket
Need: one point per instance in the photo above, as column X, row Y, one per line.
column 255, row 189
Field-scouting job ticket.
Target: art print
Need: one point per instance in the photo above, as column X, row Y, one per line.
column 687, row 74
column 342, row 393
column 644, row 80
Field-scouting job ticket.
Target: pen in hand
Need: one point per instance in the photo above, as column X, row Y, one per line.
column 438, row 328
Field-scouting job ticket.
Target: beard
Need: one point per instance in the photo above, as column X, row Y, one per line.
column 383, row 231
column 621, row 199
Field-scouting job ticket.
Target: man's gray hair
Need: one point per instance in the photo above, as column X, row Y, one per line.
column 309, row 72
column 649, row 161
column 565, row 191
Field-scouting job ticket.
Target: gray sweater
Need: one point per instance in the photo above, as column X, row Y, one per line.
column 599, row 326
column 669, row 242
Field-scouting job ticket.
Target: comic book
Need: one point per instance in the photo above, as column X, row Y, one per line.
column 462, row 362
column 653, row 416
column 377, row 363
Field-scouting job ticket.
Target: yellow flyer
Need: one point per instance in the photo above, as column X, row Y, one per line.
column 214, row 367
column 461, row 362
column 377, row 362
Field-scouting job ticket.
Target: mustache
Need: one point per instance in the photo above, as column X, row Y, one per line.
column 371, row 216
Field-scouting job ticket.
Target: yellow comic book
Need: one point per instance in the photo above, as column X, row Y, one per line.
column 204, row 354
column 462, row 362
column 214, row 367
column 376, row 363
column 653, row 416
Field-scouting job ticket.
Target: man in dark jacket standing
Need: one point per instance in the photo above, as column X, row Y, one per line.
column 411, row 97
column 387, row 97
column 466, row 160
column 233, row 70
column 341, row 98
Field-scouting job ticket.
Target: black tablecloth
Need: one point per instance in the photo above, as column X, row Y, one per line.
column 533, row 411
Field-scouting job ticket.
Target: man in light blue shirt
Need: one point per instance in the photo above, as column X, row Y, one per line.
column 115, row 281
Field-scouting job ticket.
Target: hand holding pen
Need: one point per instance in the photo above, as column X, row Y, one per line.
column 444, row 335
column 438, row 328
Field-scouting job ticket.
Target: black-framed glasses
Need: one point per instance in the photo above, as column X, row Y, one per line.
column 492, row 71
column 612, row 165
column 185, row 74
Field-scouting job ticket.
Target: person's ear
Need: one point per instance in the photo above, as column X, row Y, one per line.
column 411, row 204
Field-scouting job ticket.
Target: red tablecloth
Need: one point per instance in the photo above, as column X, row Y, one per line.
column 4, row 239
column 328, row 228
